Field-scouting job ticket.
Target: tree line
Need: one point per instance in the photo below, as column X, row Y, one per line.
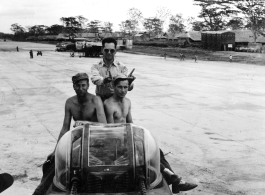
column 214, row 15
column 232, row 14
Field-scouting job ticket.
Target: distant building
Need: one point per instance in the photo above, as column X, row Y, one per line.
column 218, row 40
column 107, row 34
column 87, row 35
column 243, row 37
column 195, row 36
column 141, row 37
column 62, row 37
column 116, row 35
column 172, row 36
column 160, row 37
column 47, row 38
column 188, row 37
column 31, row 38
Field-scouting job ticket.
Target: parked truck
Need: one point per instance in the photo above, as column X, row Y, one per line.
column 88, row 48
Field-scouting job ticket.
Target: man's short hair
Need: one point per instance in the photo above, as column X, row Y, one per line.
column 120, row 77
column 80, row 76
column 109, row 40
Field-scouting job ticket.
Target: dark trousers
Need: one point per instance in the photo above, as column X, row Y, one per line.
column 163, row 162
column 48, row 169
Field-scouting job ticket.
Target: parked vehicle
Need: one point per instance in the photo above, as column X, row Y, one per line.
column 64, row 46
column 89, row 48
column 108, row 159
column 242, row 48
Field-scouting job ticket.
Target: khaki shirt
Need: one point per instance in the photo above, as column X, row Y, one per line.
column 100, row 71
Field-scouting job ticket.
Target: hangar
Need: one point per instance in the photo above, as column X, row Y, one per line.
column 218, row 40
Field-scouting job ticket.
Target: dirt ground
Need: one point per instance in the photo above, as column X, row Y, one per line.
column 209, row 116
column 205, row 55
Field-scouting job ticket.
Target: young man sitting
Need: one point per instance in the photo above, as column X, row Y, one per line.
column 118, row 110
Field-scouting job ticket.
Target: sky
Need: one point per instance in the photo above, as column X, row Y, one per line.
column 48, row 12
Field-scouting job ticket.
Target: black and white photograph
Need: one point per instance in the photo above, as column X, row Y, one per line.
column 132, row 97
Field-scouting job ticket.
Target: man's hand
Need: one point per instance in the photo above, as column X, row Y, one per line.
column 131, row 79
column 79, row 123
column 107, row 80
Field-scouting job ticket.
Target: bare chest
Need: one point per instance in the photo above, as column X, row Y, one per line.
column 120, row 113
column 86, row 111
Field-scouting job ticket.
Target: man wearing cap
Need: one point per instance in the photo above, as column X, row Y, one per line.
column 118, row 110
column 118, row 107
column 82, row 107
column 103, row 72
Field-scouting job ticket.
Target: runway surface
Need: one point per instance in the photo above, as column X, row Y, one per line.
column 209, row 116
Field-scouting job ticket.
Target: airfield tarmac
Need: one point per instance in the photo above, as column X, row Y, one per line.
column 209, row 116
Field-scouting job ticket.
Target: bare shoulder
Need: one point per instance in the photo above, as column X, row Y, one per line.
column 108, row 102
column 127, row 101
column 95, row 99
column 71, row 100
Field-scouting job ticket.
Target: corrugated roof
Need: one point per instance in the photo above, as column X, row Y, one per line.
column 103, row 35
column 160, row 37
column 184, row 35
column 51, row 36
column 217, row 32
column 87, row 35
column 114, row 34
column 247, row 36
column 171, row 36
column 62, row 36
column 31, row 37
column 194, row 35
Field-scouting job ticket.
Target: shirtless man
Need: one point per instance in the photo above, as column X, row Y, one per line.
column 118, row 107
column 118, row 110
column 82, row 107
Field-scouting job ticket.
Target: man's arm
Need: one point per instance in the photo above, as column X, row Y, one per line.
column 66, row 126
column 124, row 70
column 96, row 78
column 129, row 115
column 67, row 120
column 100, row 110
column 109, row 113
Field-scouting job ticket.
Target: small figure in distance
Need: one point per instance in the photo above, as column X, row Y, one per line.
column 72, row 53
column 230, row 58
column 31, row 54
column 17, row 49
column 39, row 53
column 195, row 58
column 165, row 56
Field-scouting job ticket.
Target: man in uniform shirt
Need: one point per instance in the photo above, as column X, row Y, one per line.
column 103, row 72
